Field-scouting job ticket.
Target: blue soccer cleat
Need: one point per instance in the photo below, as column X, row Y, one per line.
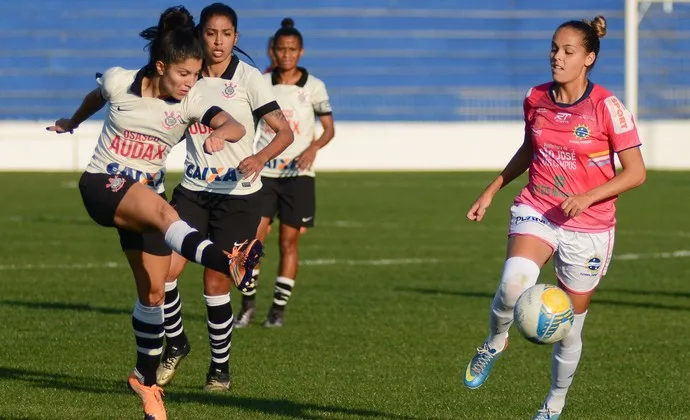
column 545, row 413
column 480, row 366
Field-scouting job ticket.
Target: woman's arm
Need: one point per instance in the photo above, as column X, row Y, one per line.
column 516, row 167
column 92, row 103
column 633, row 175
column 283, row 138
column 307, row 157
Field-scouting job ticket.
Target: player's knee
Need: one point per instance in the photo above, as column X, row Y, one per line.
column 572, row 342
column 177, row 265
column 153, row 295
column 215, row 283
column 519, row 274
column 166, row 213
column 156, row 297
column 288, row 244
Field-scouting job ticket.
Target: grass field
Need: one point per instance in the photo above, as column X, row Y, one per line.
column 391, row 302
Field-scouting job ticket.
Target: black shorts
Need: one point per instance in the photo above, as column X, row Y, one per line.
column 102, row 194
column 293, row 199
column 228, row 220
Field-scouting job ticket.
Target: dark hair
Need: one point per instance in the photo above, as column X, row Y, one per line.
column 287, row 28
column 591, row 33
column 216, row 9
column 173, row 40
column 220, row 9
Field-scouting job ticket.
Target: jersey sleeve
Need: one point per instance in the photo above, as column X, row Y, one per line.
column 619, row 125
column 112, row 82
column 320, row 100
column 261, row 97
column 196, row 108
column 527, row 110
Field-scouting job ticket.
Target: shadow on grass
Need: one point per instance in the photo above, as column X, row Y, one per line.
column 596, row 300
column 283, row 407
column 63, row 382
column 269, row 406
column 442, row 292
column 63, row 306
column 80, row 307
column 664, row 293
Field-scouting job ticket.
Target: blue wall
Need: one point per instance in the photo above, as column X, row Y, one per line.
column 382, row 60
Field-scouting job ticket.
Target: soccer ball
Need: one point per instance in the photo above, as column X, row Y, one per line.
column 544, row 314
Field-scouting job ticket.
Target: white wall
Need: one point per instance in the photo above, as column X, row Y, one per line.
column 27, row 146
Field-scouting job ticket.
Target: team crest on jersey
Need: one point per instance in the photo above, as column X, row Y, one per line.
column 115, row 183
column 581, row 131
column 302, row 96
column 593, row 263
column 171, row 119
column 230, row 90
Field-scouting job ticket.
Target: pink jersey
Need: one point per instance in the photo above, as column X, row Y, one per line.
column 574, row 148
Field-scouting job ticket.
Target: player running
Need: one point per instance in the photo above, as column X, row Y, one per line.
column 219, row 193
column 122, row 186
column 289, row 188
column 573, row 128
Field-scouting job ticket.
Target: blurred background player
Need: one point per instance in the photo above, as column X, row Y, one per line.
column 123, row 183
column 288, row 180
column 573, row 128
column 271, row 57
column 219, row 193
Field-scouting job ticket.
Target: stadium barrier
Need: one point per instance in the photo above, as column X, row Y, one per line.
column 27, row 146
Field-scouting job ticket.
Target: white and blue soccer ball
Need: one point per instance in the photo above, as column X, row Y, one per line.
column 544, row 314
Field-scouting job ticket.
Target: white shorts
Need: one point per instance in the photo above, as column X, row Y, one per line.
column 580, row 259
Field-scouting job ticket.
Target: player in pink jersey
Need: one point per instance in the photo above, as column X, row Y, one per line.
column 573, row 128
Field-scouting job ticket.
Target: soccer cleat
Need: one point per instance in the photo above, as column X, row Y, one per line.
column 217, row 381
column 275, row 317
column 244, row 318
column 480, row 366
column 545, row 413
column 151, row 396
column 172, row 357
column 243, row 258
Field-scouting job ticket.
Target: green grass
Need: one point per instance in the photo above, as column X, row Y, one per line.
column 361, row 340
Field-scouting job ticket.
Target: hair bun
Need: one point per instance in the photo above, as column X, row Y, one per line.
column 171, row 19
column 177, row 17
column 599, row 25
column 287, row 23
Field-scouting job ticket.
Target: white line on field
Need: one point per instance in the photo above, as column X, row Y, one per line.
column 682, row 253
column 466, row 226
column 394, row 261
column 356, row 224
column 75, row 266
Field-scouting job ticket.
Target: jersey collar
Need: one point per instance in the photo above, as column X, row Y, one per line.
column 138, row 80
column 584, row 96
column 229, row 72
column 275, row 77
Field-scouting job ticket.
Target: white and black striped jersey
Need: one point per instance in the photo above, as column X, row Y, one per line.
column 242, row 92
column 139, row 132
column 301, row 103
